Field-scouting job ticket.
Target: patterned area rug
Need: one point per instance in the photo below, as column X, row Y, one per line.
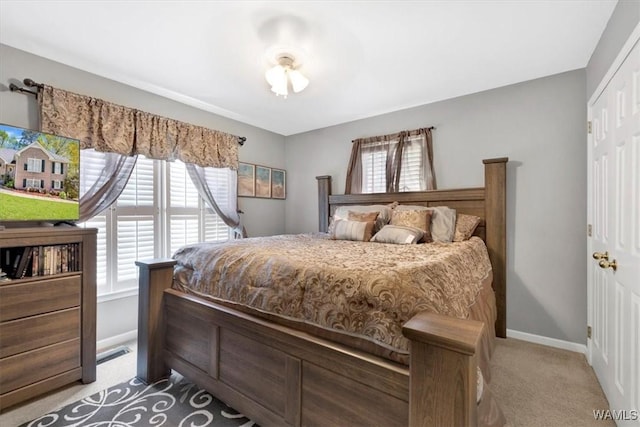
column 173, row 402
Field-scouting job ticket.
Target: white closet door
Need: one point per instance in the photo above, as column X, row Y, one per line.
column 614, row 212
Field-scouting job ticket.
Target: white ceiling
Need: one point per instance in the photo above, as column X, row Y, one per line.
column 363, row 58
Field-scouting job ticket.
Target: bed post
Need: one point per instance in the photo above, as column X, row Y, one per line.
column 324, row 191
column 495, row 179
column 155, row 276
column 443, row 370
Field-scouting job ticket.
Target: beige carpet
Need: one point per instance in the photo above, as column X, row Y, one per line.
column 535, row 386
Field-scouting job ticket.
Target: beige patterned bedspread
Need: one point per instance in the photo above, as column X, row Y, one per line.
column 364, row 289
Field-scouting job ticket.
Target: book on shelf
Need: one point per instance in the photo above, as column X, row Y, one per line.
column 25, row 259
column 29, row 261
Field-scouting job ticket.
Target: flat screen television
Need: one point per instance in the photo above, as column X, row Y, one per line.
column 39, row 176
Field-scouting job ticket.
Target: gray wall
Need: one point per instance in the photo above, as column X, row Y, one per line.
column 262, row 216
column 623, row 20
column 541, row 126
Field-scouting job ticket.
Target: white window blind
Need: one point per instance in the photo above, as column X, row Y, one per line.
column 188, row 219
column 214, row 227
column 411, row 178
column 135, row 216
column 91, row 163
column 374, row 173
column 158, row 196
column 183, row 210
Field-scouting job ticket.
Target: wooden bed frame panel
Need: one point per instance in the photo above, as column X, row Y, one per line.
column 276, row 375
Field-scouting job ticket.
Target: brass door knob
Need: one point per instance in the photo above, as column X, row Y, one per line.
column 606, row 264
column 600, row 255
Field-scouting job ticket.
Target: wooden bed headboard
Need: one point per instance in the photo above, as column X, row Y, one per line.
column 488, row 202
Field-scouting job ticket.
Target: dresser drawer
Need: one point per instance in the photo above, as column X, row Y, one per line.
column 35, row 365
column 28, row 333
column 42, row 296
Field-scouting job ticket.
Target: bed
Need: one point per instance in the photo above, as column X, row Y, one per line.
column 278, row 373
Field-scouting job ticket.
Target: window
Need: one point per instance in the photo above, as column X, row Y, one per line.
column 56, row 184
column 158, row 196
column 412, row 172
column 189, row 220
column 34, row 165
column 374, row 161
column 380, row 172
column 57, row 167
column 33, row 183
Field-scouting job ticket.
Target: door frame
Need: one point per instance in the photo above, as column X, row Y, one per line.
column 634, row 38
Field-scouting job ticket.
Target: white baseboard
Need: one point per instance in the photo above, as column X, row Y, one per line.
column 117, row 340
column 551, row 342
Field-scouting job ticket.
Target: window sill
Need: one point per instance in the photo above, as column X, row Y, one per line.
column 110, row 296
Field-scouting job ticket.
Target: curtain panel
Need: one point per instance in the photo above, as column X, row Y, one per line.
column 219, row 188
column 395, row 148
column 113, row 128
column 103, row 181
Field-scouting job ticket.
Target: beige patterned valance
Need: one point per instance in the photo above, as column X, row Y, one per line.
column 114, row 128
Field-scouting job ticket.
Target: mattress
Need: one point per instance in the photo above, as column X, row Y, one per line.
column 356, row 293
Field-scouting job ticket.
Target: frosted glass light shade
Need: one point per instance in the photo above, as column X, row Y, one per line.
column 280, row 75
column 298, row 81
column 280, row 89
column 276, row 75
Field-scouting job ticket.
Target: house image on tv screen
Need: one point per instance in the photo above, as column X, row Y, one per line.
column 34, row 167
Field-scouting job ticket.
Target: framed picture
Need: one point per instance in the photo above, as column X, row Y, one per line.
column 246, row 180
column 278, row 184
column 263, row 181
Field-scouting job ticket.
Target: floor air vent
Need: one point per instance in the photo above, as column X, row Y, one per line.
column 105, row 356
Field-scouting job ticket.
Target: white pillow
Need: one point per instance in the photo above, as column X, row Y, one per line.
column 398, row 234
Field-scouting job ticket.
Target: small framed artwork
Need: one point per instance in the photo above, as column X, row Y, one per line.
column 278, row 184
column 246, row 180
column 263, row 181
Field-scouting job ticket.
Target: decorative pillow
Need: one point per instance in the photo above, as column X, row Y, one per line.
column 398, row 234
column 443, row 221
column 465, row 226
column 352, row 230
column 384, row 213
column 363, row 216
column 414, row 218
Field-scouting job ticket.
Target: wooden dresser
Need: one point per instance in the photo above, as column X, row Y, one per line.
column 47, row 311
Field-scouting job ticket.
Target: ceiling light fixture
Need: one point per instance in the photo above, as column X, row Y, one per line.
column 283, row 73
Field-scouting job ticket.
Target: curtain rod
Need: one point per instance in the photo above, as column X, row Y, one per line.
column 30, row 83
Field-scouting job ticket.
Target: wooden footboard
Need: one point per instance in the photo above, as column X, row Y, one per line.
column 279, row 376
